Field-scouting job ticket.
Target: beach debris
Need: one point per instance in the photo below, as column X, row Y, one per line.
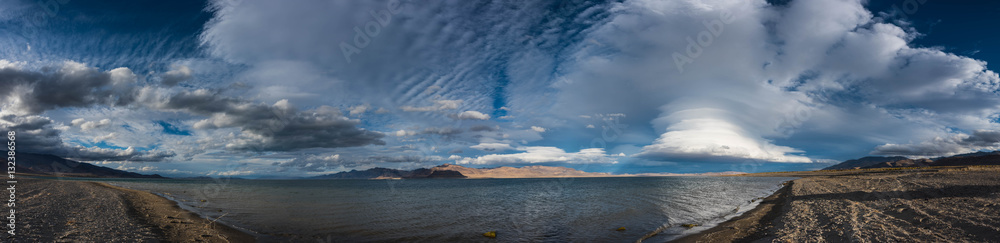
column 690, row 225
column 491, row 234
column 620, row 229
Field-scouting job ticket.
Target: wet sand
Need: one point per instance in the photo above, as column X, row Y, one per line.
column 53, row 210
column 954, row 204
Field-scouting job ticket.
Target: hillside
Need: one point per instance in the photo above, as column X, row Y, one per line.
column 863, row 162
column 979, row 158
column 45, row 164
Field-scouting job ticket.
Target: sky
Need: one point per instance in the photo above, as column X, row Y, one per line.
column 255, row 88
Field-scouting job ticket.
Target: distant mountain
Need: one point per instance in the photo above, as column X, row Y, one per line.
column 535, row 171
column 978, row 158
column 456, row 171
column 384, row 173
column 45, row 164
column 863, row 162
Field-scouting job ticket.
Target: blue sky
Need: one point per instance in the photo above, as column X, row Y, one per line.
column 264, row 88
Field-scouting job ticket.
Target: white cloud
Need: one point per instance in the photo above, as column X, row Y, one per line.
column 472, row 115
column 359, row 109
column 88, row 125
column 179, row 74
column 542, row 154
column 403, row 133
column 709, row 138
column 786, row 65
column 537, row 129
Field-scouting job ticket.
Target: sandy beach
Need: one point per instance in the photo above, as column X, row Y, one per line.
column 53, row 210
column 958, row 204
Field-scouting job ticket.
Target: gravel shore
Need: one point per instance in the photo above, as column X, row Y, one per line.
column 910, row 205
column 53, row 210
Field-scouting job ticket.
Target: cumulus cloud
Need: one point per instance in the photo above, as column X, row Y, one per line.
column 542, row 154
column 179, row 74
column 785, row 66
column 38, row 134
column 88, row 125
column 277, row 127
column 403, row 133
column 359, row 109
column 107, row 154
column 314, row 163
column 472, row 115
column 69, row 84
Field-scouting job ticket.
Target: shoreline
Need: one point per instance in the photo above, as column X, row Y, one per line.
column 923, row 204
column 746, row 227
column 175, row 223
column 56, row 210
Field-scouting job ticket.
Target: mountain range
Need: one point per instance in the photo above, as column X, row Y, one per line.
column 458, row 171
column 44, row 164
column 872, row 162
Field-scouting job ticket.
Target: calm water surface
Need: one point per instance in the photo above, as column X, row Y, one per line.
column 460, row 210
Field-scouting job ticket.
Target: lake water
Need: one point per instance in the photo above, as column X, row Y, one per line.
column 461, row 210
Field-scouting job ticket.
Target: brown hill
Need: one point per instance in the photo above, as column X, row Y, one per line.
column 978, row 158
column 535, row 171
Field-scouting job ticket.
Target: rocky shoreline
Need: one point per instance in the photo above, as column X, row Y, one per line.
column 54, row 210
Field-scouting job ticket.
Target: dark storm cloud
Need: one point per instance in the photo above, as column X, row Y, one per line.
column 69, row 85
column 36, row 134
column 982, row 138
column 278, row 127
